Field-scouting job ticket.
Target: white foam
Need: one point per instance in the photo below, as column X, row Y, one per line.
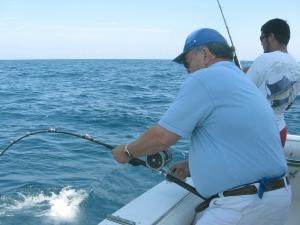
column 9, row 206
column 63, row 206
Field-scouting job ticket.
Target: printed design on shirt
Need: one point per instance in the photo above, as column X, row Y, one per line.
column 282, row 89
column 279, row 93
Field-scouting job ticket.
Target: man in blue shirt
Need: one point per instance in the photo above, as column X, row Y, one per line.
column 235, row 142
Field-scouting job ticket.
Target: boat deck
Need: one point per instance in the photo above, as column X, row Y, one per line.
column 293, row 218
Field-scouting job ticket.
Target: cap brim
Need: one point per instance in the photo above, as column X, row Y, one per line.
column 179, row 59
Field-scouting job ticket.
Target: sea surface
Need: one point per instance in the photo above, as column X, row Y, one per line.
column 59, row 179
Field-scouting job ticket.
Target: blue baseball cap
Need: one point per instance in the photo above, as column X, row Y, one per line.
column 200, row 37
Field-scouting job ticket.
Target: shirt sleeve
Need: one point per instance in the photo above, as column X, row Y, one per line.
column 189, row 110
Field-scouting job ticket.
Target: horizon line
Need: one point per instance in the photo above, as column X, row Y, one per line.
column 36, row 59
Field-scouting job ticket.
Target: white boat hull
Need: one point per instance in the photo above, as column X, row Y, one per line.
column 169, row 204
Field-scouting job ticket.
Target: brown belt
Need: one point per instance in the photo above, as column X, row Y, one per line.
column 246, row 190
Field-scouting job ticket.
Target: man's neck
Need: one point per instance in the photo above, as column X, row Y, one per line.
column 281, row 48
column 215, row 60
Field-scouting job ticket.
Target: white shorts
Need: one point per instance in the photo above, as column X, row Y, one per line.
column 248, row 209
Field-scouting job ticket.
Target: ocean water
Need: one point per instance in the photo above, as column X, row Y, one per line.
column 58, row 179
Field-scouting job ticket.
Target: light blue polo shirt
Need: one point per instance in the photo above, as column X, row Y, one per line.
column 234, row 136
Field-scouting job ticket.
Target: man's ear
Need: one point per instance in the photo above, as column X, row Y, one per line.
column 208, row 56
column 271, row 37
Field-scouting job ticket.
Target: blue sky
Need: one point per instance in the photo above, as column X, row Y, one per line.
column 138, row 29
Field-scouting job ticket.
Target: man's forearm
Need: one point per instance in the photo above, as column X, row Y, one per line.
column 154, row 140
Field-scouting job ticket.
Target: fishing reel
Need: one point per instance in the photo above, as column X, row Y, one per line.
column 159, row 160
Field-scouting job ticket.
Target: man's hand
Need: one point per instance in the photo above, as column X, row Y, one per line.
column 154, row 140
column 180, row 170
column 120, row 155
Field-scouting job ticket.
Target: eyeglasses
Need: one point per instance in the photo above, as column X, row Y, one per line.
column 186, row 64
column 188, row 59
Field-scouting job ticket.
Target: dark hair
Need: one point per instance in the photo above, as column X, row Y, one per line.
column 220, row 50
column 279, row 28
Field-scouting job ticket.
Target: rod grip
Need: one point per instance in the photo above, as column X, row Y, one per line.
column 181, row 183
column 137, row 162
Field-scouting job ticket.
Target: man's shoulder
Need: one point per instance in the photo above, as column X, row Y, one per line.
column 266, row 57
column 270, row 57
column 272, row 60
column 215, row 70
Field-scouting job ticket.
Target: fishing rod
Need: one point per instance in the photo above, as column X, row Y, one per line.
column 235, row 58
column 134, row 162
column 154, row 162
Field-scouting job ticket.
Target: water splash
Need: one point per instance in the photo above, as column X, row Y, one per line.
column 64, row 206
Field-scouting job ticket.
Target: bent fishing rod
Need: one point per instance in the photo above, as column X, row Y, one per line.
column 134, row 162
column 154, row 162
column 235, row 58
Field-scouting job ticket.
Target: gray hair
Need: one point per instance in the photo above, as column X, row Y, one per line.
column 220, row 50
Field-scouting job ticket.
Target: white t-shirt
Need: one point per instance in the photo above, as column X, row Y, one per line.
column 277, row 75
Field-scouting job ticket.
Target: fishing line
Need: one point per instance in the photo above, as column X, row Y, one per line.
column 157, row 160
column 235, row 58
